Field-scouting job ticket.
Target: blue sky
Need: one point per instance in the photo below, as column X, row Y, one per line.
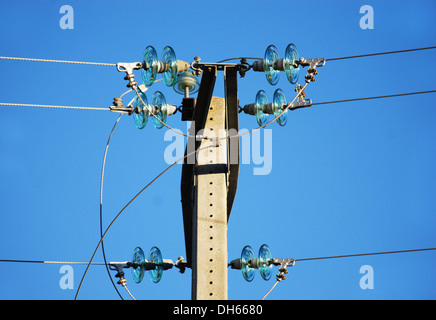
column 346, row 178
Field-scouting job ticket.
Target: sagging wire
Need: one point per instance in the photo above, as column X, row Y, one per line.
column 269, row 291
column 125, row 207
column 101, row 202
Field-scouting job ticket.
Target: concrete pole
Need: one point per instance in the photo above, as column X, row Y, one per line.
column 209, row 232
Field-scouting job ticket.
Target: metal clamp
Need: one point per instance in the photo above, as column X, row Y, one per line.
column 119, row 266
column 181, row 264
column 283, row 263
column 118, row 107
column 312, row 64
column 128, row 68
column 301, row 102
column 195, row 66
column 244, row 66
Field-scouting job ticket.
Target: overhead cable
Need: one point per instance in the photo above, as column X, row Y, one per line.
column 51, row 106
column 364, row 254
column 50, row 262
column 60, row 61
column 101, row 207
column 114, row 64
column 380, row 53
column 348, row 256
column 374, row 97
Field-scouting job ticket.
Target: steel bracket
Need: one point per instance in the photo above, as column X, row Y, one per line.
column 312, row 64
column 283, row 264
column 300, row 102
column 117, row 106
column 128, row 68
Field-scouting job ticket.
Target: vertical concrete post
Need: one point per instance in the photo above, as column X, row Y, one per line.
column 209, row 232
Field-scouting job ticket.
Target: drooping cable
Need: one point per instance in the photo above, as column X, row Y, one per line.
column 269, row 291
column 101, row 205
column 128, row 291
column 125, row 207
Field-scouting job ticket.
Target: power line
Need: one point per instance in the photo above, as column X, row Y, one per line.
column 86, row 108
column 269, row 291
column 235, row 58
column 343, row 58
column 380, row 53
column 349, row 256
column 159, row 120
column 60, row 107
column 375, row 97
column 101, row 208
column 364, row 254
column 51, row 106
column 303, row 259
column 313, row 104
column 60, row 61
column 128, row 291
column 50, row 262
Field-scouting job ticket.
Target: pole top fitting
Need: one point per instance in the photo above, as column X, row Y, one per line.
column 312, row 64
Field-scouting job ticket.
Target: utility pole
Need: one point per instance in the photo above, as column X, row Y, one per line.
column 209, row 181
column 211, row 164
